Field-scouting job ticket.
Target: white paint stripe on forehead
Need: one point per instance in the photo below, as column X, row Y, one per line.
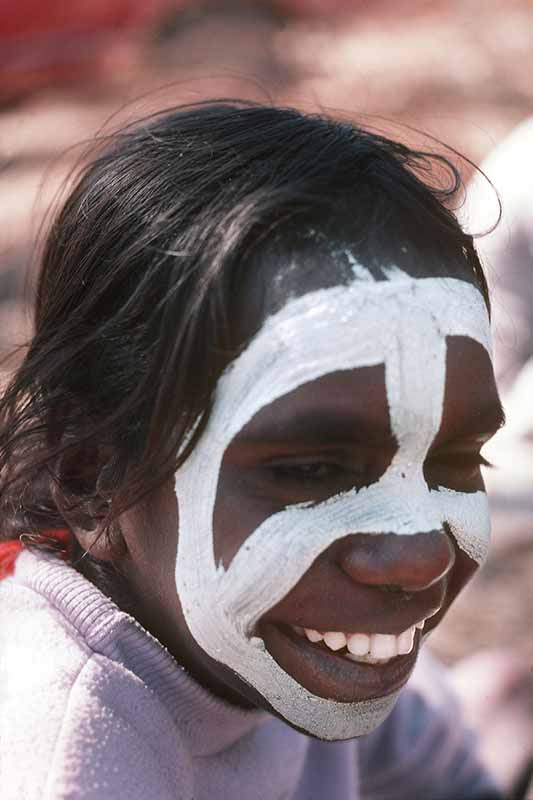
column 402, row 323
column 322, row 332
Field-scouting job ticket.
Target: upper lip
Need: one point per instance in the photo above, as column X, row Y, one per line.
column 393, row 623
column 366, row 610
column 387, row 626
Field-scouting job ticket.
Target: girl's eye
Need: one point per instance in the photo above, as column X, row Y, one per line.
column 456, row 469
column 462, row 460
column 307, row 471
column 314, row 477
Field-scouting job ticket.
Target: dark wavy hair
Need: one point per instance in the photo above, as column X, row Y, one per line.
column 141, row 280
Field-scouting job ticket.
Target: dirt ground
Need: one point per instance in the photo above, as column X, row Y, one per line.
column 459, row 70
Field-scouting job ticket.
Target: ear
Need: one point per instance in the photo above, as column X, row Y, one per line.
column 102, row 543
column 83, row 492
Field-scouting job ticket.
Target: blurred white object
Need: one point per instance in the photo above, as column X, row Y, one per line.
column 507, row 256
column 507, row 252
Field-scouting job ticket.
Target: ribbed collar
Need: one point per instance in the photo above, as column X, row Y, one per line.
column 208, row 723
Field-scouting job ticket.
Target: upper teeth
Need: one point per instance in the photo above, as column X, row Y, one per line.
column 370, row 647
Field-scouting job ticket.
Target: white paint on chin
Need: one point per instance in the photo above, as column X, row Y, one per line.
column 401, row 323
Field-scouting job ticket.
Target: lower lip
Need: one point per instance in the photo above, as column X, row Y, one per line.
column 332, row 676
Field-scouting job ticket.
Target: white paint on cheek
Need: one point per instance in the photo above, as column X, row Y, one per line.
column 401, row 323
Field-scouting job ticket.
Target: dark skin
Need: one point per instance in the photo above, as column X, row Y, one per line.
column 322, row 439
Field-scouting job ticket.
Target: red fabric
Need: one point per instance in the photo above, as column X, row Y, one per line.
column 10, row 550
column 61, row 535
column 26, row 17
column 8, row 555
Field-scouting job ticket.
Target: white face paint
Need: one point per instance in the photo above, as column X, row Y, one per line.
column 402, row 323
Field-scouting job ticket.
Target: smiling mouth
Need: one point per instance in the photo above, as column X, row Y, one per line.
column 328, row 667
column 365, row 648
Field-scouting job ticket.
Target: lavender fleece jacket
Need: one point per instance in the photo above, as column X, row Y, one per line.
column 92, row 707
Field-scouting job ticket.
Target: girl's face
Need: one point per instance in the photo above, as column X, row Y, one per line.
column 337, row 489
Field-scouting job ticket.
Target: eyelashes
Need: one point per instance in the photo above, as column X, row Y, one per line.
column 321, row 470
column 309, row 471
column 316, row 478
column 458, row 470
column 459, row 460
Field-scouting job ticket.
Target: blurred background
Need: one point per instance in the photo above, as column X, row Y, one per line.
column 458, row 69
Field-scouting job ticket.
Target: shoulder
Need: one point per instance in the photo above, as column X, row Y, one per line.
column 40, row 660
column 38, row 647
column 116, row 740
column 73, row 722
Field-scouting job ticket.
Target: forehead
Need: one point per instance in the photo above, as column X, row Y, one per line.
column 288, row 268
column 401, row 322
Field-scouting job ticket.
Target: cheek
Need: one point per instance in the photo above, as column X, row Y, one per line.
column 161, row 526
column 236, row 515
column 151, row 532
column 464, row 569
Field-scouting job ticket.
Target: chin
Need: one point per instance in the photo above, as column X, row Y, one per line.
column 333, row 725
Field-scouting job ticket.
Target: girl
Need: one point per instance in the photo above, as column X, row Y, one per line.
column 241, row 460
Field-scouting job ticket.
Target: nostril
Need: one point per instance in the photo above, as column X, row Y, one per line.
column 403, row 594
column 410, row 562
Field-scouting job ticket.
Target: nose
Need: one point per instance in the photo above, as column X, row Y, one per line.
column 412, row 562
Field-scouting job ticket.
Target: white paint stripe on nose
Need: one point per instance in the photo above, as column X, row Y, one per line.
column 281, row 550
